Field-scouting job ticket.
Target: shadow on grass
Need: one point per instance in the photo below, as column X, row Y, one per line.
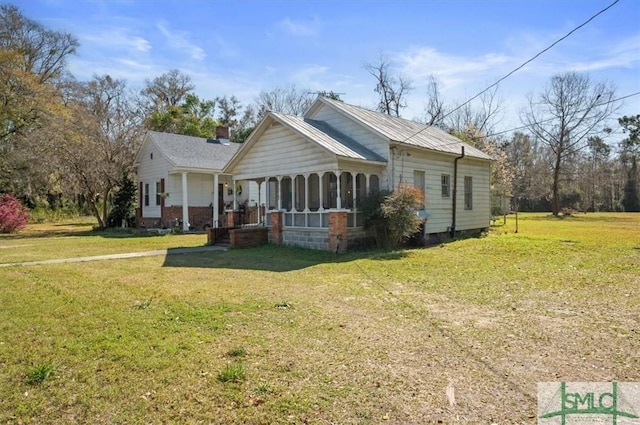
column 273, row 258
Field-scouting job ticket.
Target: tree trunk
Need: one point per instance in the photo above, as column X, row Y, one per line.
column 96, row 212
column 555, row 196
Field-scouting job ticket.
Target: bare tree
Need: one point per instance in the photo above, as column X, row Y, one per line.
column 287, row 100
column 434, row 109
column 481, row 114
column 96, row 144
column 43, row 51
column 392, row 90
column 569, row 111
column 167, row 90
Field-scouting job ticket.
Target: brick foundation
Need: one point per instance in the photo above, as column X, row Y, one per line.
column 248, row 237
column 338, row 236
column 275, row 233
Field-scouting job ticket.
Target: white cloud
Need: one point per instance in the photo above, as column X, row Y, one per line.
column 452, row 71
column 118, row 38
column 300, row 27
column 179, row 40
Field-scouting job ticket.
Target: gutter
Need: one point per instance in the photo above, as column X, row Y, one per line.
column 455, row 192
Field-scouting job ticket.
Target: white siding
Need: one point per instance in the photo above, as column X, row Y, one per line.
column 439, row 208
column 151, row 171
column 356, row 131
column 281, row 151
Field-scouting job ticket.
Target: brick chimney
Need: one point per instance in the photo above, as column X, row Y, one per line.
column 222, row 132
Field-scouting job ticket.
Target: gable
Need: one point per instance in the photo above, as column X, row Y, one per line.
column 396, row 130
column 279, row 150
column 353, row 129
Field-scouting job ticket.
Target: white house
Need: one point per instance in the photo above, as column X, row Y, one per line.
column 181, row 181
column 316, row 168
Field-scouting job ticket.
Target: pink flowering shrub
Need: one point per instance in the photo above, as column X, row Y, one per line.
column 13, row 215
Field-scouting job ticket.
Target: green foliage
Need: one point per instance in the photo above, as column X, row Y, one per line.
column 238, row 351
column 123, row 204
column 391, row 217
column 40, row 373
column 194, row 117
column 233, row 372
column 13, row 215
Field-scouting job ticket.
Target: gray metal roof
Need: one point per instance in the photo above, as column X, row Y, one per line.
column 405, row 131
column 328, row 137
column 193, row 152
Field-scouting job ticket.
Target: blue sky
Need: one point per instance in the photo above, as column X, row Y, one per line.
column 243, row 47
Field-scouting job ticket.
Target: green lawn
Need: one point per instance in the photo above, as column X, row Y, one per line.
column 288, row 336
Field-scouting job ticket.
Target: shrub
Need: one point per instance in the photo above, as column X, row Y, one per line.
column 391, row 217
column 232, row 373
column 40, row 373
column 123, row 204
column 13, row 215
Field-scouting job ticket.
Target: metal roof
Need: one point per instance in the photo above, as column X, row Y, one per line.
column 328, row 137
column 193, row 152
column 407, row 132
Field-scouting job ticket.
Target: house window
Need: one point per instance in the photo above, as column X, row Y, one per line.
column 468, row 193
column 151, row 155
column 158, row 193
column 146, row 194
column 418, row 182
column 446, row 185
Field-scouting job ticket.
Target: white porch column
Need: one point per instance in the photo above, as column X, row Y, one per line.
column 235, row 199
column 306, row 192
column 216, row 204
column 185, row 203
column 366, row 183
column 353, row 189
column 279, row 203
column 338, row 194
column 294, row 188
column 259, row 213
column 321, row 191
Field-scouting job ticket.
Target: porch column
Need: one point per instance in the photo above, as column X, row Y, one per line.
column 185, row 203
column 353, row 188
column 338, row 197
column 366, row 183
column 279, row 203
column 216, row 204
column 259, row 200
column 294, row 188
column 321, row 191
column 306, row 192
column 235, row 199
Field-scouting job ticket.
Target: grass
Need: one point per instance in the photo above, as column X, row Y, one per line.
column 360, row 338
column 77, row 238
column 40, row 373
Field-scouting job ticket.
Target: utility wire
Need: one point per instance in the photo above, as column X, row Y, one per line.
column 551, row 119
column 522, row 66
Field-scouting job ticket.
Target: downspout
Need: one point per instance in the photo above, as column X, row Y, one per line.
column 455, row 193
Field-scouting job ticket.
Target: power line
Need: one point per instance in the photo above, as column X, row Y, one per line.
column 551, row 119
column 522, row 65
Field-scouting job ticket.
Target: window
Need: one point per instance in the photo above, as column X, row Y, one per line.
column 468, row 193
column 158, row 193
column 418, row 182
column 446, row 185
column 146, row 194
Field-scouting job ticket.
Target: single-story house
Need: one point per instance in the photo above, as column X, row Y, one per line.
column 181, row 182
column 315, row 169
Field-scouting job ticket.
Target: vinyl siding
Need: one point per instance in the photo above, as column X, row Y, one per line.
column 151, row 171
column 280, row 151
column 439, row 208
